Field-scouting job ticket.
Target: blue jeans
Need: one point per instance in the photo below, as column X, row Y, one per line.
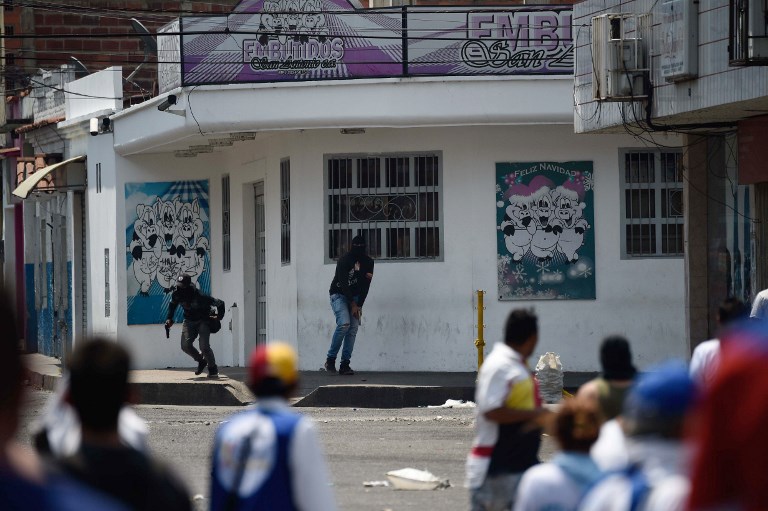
column 346, row 328
column 497, row 493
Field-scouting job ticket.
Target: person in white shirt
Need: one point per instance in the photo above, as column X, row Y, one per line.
column 760, row 306
column 706, row 355
column 560, row 484
column 654, row 417
column 269, row 456
column 508, row 417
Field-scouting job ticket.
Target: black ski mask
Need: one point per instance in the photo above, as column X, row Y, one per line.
column 358, row 247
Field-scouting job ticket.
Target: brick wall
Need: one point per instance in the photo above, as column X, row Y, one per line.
column 95, row 21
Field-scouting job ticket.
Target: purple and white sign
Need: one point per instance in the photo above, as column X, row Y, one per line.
column 288, row 40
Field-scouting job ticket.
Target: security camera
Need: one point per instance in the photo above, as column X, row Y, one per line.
column 166, row 104
column 94, row 126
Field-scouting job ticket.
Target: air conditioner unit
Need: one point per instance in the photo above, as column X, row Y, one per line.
column 619, row 58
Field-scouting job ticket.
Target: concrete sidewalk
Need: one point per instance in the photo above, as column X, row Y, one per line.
column 316, row 388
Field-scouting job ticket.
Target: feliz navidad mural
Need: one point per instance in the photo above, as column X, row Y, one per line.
column 545, row 230
column 287, row 40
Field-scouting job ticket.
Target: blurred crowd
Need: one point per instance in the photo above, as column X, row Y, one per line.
column 676, row 436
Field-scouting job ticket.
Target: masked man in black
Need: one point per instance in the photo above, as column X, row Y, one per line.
column 349, row 289
column 197, row 315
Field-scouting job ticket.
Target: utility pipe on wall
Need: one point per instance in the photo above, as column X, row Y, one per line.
column 480, row 342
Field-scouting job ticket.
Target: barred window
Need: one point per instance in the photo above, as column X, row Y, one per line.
column 392, row 200
column 285, row 211
column 652, row 203
column 225, row 224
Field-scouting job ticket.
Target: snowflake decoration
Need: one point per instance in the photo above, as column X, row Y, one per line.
column 542, row 266
column 524, row 291
column 585, row 272
column 502, row 265
column 498, row 188
column 518, row 273
column 589, row 183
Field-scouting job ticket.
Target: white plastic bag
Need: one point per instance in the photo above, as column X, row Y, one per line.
column 549, row 372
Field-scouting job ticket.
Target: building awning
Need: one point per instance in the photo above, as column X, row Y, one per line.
column 29, row 184
column 9, row 151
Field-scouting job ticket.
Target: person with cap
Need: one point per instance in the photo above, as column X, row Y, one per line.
column 198, row 310
column 656, row 412
column 349, row 289
column 269, row 456
column 609, row 389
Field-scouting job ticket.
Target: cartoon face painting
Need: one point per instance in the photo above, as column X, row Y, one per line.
column 544, row 240
column 518, row 226
column 166, row 220
column 188, row 223
column 568, row 210
column 167, row 241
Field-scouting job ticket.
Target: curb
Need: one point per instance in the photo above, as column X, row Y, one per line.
column 43, row 381
column 383, row 396
column 232, row 393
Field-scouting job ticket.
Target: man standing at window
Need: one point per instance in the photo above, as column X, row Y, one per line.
column 197, row 315
column 349, row 289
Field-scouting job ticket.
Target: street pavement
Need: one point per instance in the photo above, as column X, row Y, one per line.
column 361, row 444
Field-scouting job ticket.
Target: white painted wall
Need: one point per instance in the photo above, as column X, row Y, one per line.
column 101, row 234
column 419, row 316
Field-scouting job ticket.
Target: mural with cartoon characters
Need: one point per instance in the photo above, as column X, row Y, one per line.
column 545, row 230
column 167, row 234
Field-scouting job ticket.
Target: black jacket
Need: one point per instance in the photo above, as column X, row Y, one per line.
column 350, row 279
column 197, row 307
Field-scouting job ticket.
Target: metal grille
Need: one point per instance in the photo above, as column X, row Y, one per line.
column 285, row 211
column 652, row 216
column 83, row 263
column 261, row 269
column 226, row 260
column 107, row 300
column 392, row 200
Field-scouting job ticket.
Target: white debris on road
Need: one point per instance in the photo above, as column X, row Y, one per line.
column 414, row 479
column 455, row 403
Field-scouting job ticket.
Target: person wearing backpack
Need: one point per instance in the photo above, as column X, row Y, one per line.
column 198, row 322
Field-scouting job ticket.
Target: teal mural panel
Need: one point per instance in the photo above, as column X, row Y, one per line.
column 167, row 234
column 545, row 230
